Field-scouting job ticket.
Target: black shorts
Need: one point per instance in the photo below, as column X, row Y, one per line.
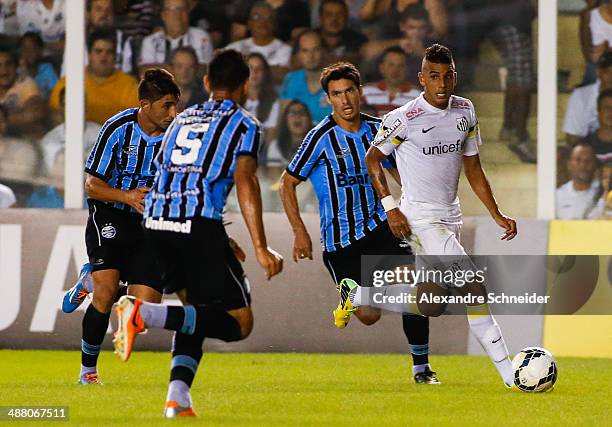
column 347, row 263
column 202, row 262
column 115, row 241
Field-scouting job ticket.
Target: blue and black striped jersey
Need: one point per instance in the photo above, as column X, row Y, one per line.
column 198, row 158
column 334, row 161
column 123, row 155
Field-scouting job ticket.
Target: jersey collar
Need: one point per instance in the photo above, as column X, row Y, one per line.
column 430, row 108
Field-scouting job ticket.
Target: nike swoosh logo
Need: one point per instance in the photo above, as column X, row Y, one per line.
column 427, row 130
column 493, row 342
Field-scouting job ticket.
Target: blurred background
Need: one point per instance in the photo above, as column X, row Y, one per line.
column 287, row 42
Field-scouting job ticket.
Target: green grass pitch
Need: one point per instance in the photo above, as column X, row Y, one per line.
column 305, row 389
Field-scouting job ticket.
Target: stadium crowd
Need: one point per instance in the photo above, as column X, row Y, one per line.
column 287, row 43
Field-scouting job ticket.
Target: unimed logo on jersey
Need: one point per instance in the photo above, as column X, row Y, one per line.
column 441, row 148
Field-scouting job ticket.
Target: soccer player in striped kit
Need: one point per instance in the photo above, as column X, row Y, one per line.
column 120, row 172
column 206, row 150
column 353, row 222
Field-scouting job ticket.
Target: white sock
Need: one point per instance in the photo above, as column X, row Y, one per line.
column 355, row 296
column 154, row 315
column 88, row 370
column 487, row 332
column 179, row 392
column 417, row 369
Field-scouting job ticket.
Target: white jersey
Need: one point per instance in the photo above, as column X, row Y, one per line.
column 429, row 145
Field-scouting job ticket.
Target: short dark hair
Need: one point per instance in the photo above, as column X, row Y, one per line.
column 438, row 54
column 416, row 12
column 34, row 36
column 157, row 83
column 228, row 70
column 107, row 34
column 337, row 71
column 185, row 49
column 392, row 49
column 607, row 93
column 324, row 2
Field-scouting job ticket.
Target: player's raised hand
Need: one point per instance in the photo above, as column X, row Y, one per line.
column 302, row 246
column 270, row 260
column 237, row 249
column 508, row 224
column 398, row 224
column 135, row 198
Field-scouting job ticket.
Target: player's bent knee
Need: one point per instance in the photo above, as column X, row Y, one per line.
column 244, row 317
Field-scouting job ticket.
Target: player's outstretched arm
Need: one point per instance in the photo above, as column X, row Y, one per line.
column 396, row 219
column 97, row 189
column 249, row 198
column 302, row 244
column 481, row 187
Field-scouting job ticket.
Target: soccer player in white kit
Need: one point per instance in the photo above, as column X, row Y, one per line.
column 433, row 136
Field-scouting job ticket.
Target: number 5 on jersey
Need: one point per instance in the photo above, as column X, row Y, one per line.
column 191, row 145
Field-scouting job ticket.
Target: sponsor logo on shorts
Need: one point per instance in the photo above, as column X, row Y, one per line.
column 99, row 261
column 108, row 231
column 168, row 225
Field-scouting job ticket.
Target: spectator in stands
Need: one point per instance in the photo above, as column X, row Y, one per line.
column 44, row 17
column 7, row 197
column 292, row 16
column 507, row 25
column 157, row 47
column 184, row 66
column 101, row 15
column 51, row 195
column 393, row 90
column 137, row 18
column 21, row 98
column 107, row 90
column 340, row 43
column 262, row 25
column 600, row 30
column 590, row 71
column 577, row 198
column 19, row 159
column 295, row 123
column 55, row 140
column 304, row 84
column 262, row 98
column 31, row 65
column 601, row 139
column 412, row 37
column 212, row 17
column 388, row 15
column 581, row 114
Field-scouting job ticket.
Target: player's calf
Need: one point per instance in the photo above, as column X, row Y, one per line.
column 368, row 315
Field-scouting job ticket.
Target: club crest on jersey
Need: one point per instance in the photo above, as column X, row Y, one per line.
column 385, row 133
column 414, row 113
column 462, row 124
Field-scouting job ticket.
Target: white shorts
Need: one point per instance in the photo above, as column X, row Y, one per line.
column 438, row 248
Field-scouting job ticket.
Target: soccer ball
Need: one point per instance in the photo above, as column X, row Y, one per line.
column 535, row 370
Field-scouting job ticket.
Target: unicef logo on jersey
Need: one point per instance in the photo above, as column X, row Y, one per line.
column 108, row 232
column 462, row 124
